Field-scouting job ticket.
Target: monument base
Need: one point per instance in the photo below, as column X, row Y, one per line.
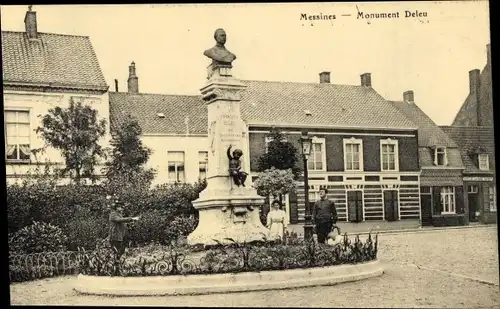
column 228, row 213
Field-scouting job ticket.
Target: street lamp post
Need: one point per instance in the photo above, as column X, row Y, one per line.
column 306, row 143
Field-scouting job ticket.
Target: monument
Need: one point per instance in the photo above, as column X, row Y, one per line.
column 228, row 208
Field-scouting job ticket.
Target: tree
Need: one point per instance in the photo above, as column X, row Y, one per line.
column 125, row 170
column 275, row 182
column 281, row 154
column 128, row 154
column 75, row 132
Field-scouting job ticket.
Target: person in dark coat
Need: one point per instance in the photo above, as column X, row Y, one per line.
column 324, row 215
column 118, row 226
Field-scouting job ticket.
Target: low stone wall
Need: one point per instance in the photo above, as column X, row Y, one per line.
column 223, row 283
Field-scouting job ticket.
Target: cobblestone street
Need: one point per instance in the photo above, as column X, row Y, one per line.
column 455, row 268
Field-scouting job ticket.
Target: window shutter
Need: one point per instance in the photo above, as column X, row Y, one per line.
column 486, row 197
column 436, row 196
column 294, row 214
column 445, row 156
column 434, row 155
column 459, row 200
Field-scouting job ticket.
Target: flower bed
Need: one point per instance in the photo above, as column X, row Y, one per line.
column 232, row 258
column 158, row 260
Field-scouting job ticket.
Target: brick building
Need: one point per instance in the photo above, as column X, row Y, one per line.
column 441, row 183
column 473, row 131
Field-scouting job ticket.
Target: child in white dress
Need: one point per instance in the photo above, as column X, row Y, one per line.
column 333, row 238
column 277, row 221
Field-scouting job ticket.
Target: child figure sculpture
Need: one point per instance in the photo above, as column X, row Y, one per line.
column 235, row 171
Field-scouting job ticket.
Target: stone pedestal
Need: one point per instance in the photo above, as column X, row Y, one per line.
column 226, row 210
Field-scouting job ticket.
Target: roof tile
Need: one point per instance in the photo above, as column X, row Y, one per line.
column 469, row 138
column 429, row 133
column 64, row 60
column 267, row 103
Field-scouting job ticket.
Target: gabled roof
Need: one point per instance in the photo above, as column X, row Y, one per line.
column 330, row 105
column 429, row 133
column 145, row 108
column 66, row 61
column 469, row 138
column 266, row 103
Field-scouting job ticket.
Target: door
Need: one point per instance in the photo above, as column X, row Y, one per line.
column 391, row 205
column 473, row 200
column 426, row 204
column 355, row 205
column 472, row 207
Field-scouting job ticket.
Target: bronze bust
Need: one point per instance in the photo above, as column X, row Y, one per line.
column 220, row 56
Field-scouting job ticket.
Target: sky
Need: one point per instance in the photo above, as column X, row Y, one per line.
column 430, row 55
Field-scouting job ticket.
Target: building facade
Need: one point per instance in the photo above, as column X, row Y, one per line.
column 365, row 150
column 42, row 71
column 441, row 183
column 473, row 131
column 174, row 127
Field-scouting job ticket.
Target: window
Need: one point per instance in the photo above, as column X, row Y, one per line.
column 440, row 158
column 202, row 164
column 493, row 198
column 472, row 189
column 176, row 166
column 353, row 154
column 317, row 158
column 425, row 190
column 448, row 200
column 389, row 155
column 483, row 162
column 17, row 127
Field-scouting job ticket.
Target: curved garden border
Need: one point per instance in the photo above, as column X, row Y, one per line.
column 223, row 283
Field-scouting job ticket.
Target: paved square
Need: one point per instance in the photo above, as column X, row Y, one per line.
column 456, row 268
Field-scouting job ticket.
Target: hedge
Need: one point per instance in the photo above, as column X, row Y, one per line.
column 81, row 212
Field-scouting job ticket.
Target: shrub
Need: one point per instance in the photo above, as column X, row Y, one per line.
column 86, row 229
column 160, row 227
column 38, row 237
column 45, row 202
column 82, row 210
column 176, row 198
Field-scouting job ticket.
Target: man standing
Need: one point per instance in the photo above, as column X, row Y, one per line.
column 118, row 226
column 325, row 215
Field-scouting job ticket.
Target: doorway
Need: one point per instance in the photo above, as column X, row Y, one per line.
column 391, row 205
column 355, row 205
column 426, row 205
column 473, row 200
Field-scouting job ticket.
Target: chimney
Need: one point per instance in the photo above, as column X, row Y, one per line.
column 408, row 96
column 474, row 81
column 474, row 93
column 366, row 79
column 324, row 77
column 30, row 23
column 488, row 54
column 133, row 80
column 116, row 85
